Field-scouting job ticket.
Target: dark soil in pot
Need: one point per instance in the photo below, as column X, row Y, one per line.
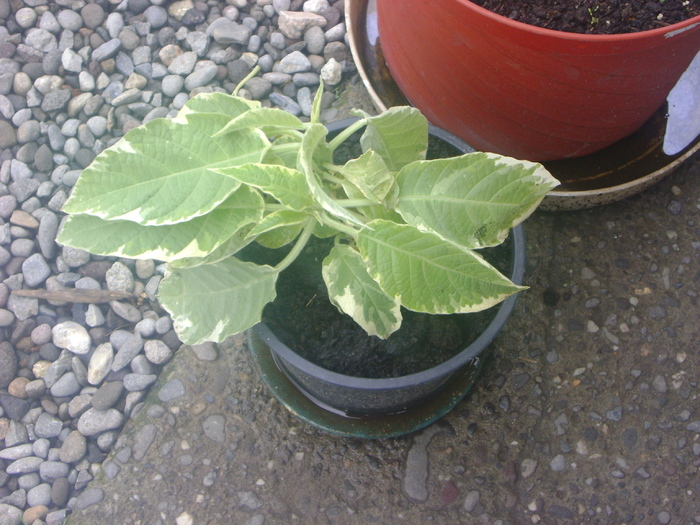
column 305, row 320
column 604, row 17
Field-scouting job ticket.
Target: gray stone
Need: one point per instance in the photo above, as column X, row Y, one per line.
column 47, row 426
column 231, row 33
column 205, row 351
column 55, row 100
column 11, row 515
column 249, row 500
column 24, row 465
column 93, row 15
column 52, row 470
column 214, row 428
column 259, row 88
column 39, row 495
column 315, row 40
column 558, row 464
column 295, row 62
column 119, row 278
column 285, row 103
column 126, row 311
column 46, row 234
column 96, row 421
column 294, row 24
column 127, row 352
column 89, row 497
column 107, row 395
column 35, row 270
column 156, row 16
column 100, row 363
column 59, row 492
column 71, row 336
column 24, row 450
column 73, row 448
column 143, row 439
column 71, row 61
column 67, row 385
column 69, row 19
column 183, row 64
column 471, row 500
column 8, row 364
column 172, row 390
column 107, row 50
column 332, row 72
column 201, row 77
column 138, row 382
column 157, row 352
column 172, row 85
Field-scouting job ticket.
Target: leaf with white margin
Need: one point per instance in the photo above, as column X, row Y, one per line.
column 198, row 237
column 278, row 219
column 355, row 293
column 163, row 172
column 228, row 105
column 269, row 120
column 428, row 274
column 215, row 301
column 370, row 175
column 278, row 237
column 229, row 247
column 399, row 135
column 315, row 150
column 473, row 200
column 286, row 185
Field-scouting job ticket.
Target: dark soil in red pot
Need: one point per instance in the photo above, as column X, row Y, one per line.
column 604, row 17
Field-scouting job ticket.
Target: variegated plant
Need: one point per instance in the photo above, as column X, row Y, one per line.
column 194, row 190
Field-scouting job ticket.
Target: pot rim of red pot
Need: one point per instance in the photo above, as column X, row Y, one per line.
column 666, row 32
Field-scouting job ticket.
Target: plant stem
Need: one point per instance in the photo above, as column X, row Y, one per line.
column 339, row 226
column 301, row 242
column 347, row 132
column 242, row 83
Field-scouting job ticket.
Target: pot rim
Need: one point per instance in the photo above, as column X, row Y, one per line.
column 667, row 32
column 517, row 273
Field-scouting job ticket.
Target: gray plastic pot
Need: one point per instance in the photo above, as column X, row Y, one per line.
column 356, row 396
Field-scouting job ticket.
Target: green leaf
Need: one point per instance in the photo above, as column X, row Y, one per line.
column 286, row 150
column 399, row 135
column 370, row 175
column 230, row 246
column 279, row 219
column 269, row 120
column 213, row 302
column 355, row 293
column 428, row 274
column 195, row 238
column 163, row 172
column 314, row 150
column 222, row 103
column 286, row 185
column 316, row 106
column 374, row 212
column 473, row 200
column 278, row 237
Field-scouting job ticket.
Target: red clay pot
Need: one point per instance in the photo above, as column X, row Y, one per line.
column 524, row 91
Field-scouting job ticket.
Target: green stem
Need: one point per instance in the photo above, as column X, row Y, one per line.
column 333, row 179
column 242, row 83
column 339, row 226
column 301, row 242
column 347, row 132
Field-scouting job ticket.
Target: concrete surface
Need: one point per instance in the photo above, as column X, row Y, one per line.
column 587, row 411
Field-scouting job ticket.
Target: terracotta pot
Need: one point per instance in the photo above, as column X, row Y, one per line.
column 524, row 91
